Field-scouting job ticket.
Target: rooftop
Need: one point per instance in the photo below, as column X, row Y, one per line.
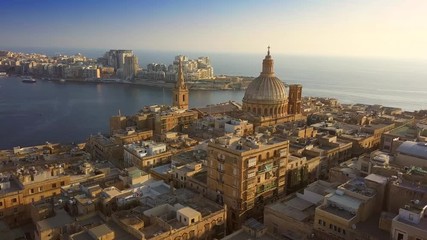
column 416, row 149
column 100, row 230
column 377, row 178
column 359, row 186
column 322, row 187
column 344, row 201
column 338, row 212
column 405, row 131
column 146, row 148
column 295, row 208
column 422, row 225
column 59, row 220
column 248, row 143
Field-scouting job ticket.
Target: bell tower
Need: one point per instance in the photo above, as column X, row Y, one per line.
column 180, row 91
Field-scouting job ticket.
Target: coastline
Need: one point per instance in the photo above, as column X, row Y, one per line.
column 227, row 83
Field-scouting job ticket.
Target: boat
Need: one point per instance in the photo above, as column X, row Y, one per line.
column 3, row 74
column 28, row 79
column 62, row 80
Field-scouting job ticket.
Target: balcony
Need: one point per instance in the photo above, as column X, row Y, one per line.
column 267, row 188
column 267, row 168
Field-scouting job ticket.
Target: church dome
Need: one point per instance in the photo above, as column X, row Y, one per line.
column 266, row 88
column 266, row 95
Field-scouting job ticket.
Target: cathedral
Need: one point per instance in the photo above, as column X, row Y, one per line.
column 268, row 101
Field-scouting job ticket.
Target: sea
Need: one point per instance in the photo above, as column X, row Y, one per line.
column 33, row 114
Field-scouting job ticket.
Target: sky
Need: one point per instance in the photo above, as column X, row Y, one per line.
column 362, row 28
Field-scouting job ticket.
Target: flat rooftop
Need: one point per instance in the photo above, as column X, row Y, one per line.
column 422, row 225
column 59, row 220
column 359, row 186
column 338, row 212
column 406, row 131
column 243, row 144
column 322, row 187
column 295, row 208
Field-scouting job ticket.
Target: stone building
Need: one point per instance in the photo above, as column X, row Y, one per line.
column 245, row 173
column 146, row 154
column 411, row 222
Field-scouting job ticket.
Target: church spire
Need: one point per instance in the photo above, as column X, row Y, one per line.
column 180, row 91
column 268, row 64
column 180, row 83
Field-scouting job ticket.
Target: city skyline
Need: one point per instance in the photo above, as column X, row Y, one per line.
column 338, row 28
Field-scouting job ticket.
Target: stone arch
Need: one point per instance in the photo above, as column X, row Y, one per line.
column 259, row 111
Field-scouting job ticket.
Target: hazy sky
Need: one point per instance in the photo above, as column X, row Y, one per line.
column 383, row 28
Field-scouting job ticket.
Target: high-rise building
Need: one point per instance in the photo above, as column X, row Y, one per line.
column 245, row 172
column 116, row 58
column 180, row 92
column 130, row 67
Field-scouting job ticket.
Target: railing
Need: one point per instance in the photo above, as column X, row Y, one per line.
column 267, row 188
column 274, row 167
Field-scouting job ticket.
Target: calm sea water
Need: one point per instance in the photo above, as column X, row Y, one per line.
column 32, row 114
column 48, row 111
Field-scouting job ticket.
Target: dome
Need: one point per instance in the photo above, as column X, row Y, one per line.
column 266, row 95
column 268, row 89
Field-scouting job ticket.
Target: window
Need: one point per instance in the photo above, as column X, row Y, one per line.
column 400, row 236
column 320, row 222
column 1, row 204
column 54, row 185
column 192, row 220
column 14, row 200
column 31, row 190
column 62, row 183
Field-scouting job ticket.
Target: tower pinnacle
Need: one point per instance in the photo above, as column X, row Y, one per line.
column 268, row 64
column 180, row 83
